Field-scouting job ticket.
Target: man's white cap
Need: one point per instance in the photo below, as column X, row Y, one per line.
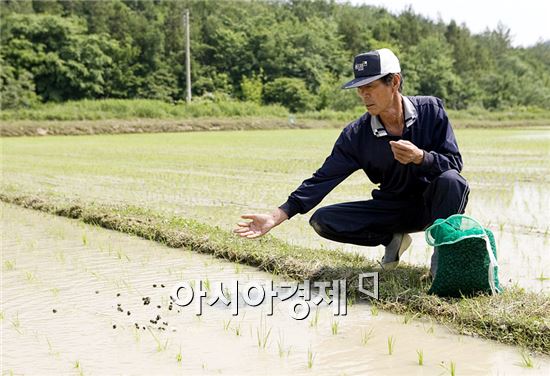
column 371, row 66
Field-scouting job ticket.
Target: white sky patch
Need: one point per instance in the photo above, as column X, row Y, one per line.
column 528, row 20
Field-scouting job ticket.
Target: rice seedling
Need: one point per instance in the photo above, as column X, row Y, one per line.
column 226, row 324
column 16, row 323
column 179, row 356
column 1, row 315
column 238, row 268
column 315, row 320
column 84, row 239
column 391, row 345
column 30, row 276
column 310, row 358
column 542, row 277
column 526, row 359
column 431, row 328
column 450, row 368
column 334, row 328
column 50, row 348
column 366, row 336
column 408, row 317
column 237, row 330
column 60, row 256
column 374, row 310
column 420, row 354
column 262, row 334
column 281, row 346
column 9, row 264
column 54, row 291
column 160, row 346
column 121, row 254
column 78, row 366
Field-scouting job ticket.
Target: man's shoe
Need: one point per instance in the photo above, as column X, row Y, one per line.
column 394, row 250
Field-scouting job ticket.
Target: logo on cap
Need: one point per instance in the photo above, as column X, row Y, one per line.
column 361, row 66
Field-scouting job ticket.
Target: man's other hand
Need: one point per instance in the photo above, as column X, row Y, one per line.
column 406, row 152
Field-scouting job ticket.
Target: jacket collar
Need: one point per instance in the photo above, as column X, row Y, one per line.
column 409, row 112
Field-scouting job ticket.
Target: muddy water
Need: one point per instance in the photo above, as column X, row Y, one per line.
column 73, row 302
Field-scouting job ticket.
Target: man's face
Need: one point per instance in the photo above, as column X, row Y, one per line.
column 376, row 96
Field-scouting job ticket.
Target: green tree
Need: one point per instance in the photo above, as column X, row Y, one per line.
column 289, row 92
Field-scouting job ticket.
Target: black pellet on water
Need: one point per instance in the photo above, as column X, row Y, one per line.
column 162, row 286
column 97, row 292
column 118, row 294
column 158, row 318
column 118, row 305
column 154, row 285
column 143, row 328
column 54, row 310
column 158, row 306
column 120, row 309
column 128, row 313
column 164, row 323
column 114, row 326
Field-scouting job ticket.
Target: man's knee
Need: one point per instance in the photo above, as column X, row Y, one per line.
column 451, row 181
column 318, row 220
column 451, row 190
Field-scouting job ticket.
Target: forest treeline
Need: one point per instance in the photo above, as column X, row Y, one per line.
column 293, row 53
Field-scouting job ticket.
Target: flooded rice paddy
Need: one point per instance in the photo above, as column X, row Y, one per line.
column 214, row 177
column 79, row 299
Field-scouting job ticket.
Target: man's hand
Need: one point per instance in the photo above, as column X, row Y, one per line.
column 260, row 225
column 406, row 152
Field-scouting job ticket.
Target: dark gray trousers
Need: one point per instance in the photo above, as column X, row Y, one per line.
column 373, row 222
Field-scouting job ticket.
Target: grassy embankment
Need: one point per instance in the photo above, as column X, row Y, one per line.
column 514, row 317
column 137, row 116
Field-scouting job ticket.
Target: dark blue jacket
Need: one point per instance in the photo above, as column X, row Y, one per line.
column 364, row 144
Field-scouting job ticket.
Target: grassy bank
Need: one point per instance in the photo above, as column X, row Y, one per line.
column 150, row 116
column 115, row 126
column 513, row 317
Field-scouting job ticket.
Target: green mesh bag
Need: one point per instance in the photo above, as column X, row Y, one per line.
column 467, row 257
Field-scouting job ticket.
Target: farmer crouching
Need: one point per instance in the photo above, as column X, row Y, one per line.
column 405, row 145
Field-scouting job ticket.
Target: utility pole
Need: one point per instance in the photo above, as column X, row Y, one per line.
column 187, row 55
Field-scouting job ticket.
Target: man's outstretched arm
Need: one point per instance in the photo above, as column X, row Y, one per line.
column 338, row 166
